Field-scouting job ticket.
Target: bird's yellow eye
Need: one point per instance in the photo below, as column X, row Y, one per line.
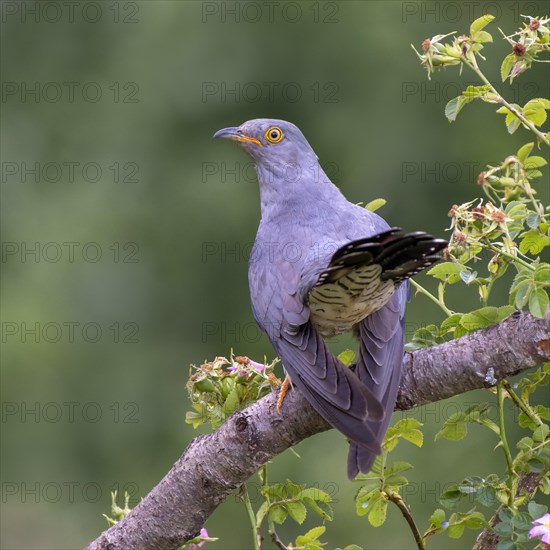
column 274, row 135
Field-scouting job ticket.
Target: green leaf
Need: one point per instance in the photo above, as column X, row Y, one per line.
column 377, row 515
column 371, row 481
column 533, row 242
column 541, row 432
column 535, row 111
column 542, row 273
column 506, row 67
column 533, row 174
column 204, row 385
column 534, row 162
column 538, row 303
column 524, row 444
column 375, row 204
column 315, row 533
column 482, row 37
column 503, row 529
column 274, row 491
column 231, row 404
column 293, row 489
column 397, row 481
column 545, row 102
column 516, row 210
column 456, row 530
column 451, row 497
column 536, row 510
column 437, row 518
column 522, row 294
column 347, row 357
column 453, row 430
column 450, row 323
column 484, row 317
column 197, row 417
column 536, row 465
column 524, row 277
column 315, row 494
column 311, row 535
column 404, row 425
column 415, row 437
column 454, row 106
column 404, row 429
column 277, row 514
column 533, row 220
column 487, row 496
column 512, row 123
column 525, row 151
column 528, row 385
column 480, row 23
column 321, row 508
column 522, row 522
column 261, row 513
column 476, row 92
column 475, row 520
column 506, row 515
column 542, row 411
column 424, row 337
column 447, row 271
column 364, row 501
column 297, row 511
column 398, row 467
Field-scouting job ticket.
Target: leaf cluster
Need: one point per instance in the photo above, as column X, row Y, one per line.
column 219, row 388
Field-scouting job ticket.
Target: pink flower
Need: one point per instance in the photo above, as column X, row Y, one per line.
column 541, row 529
column 258, row 366
column 233, row 369
column 203, row 534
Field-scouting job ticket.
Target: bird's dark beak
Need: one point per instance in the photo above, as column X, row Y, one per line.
column 236, row 135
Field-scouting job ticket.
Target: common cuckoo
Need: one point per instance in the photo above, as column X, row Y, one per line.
column 321, row 266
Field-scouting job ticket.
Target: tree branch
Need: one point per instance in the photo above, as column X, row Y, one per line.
column 214, row 465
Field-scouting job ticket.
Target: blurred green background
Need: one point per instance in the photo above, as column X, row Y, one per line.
column 125, row 230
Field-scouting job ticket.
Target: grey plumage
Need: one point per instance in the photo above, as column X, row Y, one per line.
column 321, row 266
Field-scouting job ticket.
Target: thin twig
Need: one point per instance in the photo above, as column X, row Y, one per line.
column 521, row 404
column 429, row 295
column 277, row 541
column 257, row 537
column 508, row 256
column 472, row 63
column 504, row 441
column 402, row 505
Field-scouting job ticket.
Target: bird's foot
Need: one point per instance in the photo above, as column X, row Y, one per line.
column 282, row 392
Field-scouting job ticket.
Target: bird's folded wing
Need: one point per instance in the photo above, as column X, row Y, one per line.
column 400, row 255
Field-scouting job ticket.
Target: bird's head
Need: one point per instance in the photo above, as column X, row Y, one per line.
column 271, row 142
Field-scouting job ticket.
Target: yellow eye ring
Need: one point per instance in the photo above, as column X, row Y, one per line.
column 274, row 135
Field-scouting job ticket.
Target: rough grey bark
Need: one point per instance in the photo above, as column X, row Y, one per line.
column 214, row 465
